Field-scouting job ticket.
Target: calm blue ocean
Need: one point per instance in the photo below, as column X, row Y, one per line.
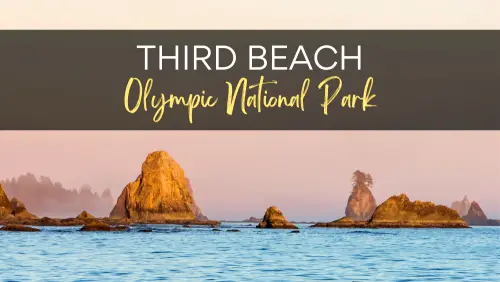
column 174, row 253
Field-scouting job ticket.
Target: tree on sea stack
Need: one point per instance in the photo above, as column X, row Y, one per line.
column 361, row 203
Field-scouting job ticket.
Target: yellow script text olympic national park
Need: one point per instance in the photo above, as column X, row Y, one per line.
column 251, row 96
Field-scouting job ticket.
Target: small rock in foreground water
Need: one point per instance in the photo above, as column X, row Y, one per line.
column 103, row 227
column 18, row 228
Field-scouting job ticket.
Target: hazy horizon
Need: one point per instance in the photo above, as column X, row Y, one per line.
column 238, row 174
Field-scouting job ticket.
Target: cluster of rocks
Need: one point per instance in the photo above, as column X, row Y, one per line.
column 162, row 194
column 400, row 212
column 476, row 217
column 472, row 213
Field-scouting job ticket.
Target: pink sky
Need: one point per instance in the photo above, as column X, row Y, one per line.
column 238, row 174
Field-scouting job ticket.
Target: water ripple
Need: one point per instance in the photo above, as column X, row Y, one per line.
column 175, row 253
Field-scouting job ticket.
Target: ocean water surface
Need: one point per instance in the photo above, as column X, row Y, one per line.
column 174, row 253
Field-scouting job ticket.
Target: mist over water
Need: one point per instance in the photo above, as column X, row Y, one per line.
column 199, row 254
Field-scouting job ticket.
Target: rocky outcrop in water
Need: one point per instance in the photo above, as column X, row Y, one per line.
column 361, row 203
column 100, row 226
column 253, row 219
column 274, row 219
column 18, row 228
column 462, row 207
column 477, row 217
column 400, row 212
column 345, row 222
column 161, row 192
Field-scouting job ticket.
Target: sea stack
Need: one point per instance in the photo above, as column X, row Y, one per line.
column 361, row 203
column 462, row 207
column 161, row 192
column 477, row 217
column 274, row 219
column 398, row 211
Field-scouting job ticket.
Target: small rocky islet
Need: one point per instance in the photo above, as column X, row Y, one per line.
column 162, row 194
column 274, row 218
column 400, row 212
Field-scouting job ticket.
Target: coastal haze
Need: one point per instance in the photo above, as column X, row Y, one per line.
column 238, row 174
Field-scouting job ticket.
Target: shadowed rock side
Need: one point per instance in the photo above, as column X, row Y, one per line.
column 477, row 217
column 399, row 212
column 19, row 210
column 159, row 193
column 14, row 210
column 274, row 219
column 361, row 203
column 194, row 207
column 462, row 207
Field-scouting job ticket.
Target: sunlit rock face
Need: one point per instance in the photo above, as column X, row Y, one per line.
column 274, row 218
column 400, row 211
column 5, row 206
column 161, row 192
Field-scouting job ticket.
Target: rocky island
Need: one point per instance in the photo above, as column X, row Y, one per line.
column 274, row 218
column 400, row 212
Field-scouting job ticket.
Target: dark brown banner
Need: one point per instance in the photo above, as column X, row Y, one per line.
column 249, row 80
